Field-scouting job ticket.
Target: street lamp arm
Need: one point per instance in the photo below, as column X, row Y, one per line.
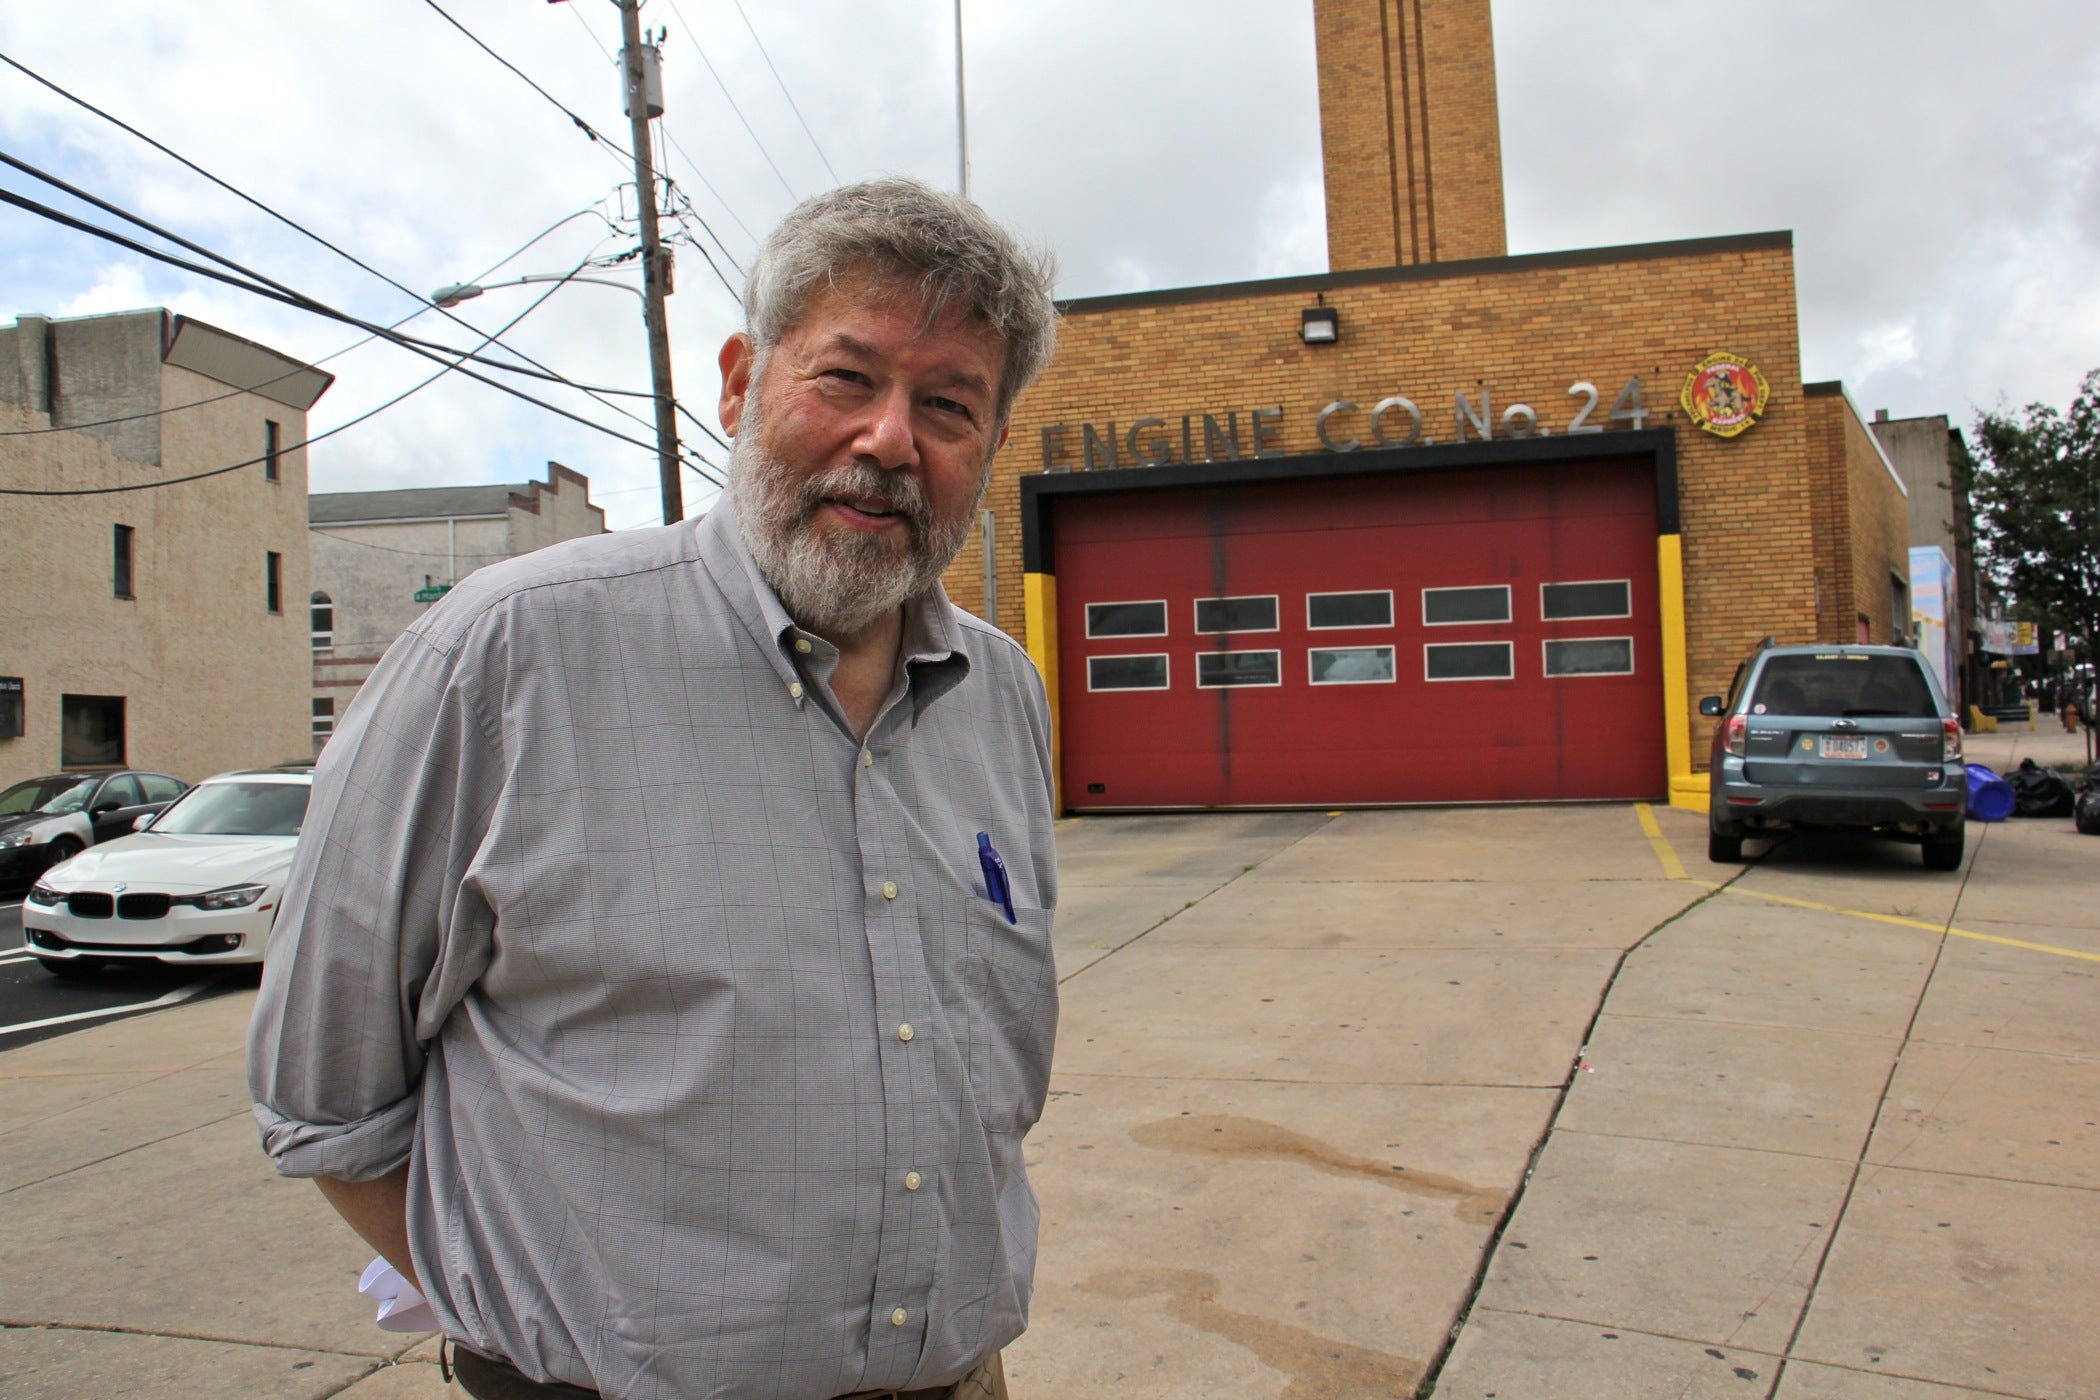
column 453, row 293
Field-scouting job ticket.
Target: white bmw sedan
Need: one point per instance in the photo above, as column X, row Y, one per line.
column 199, row 884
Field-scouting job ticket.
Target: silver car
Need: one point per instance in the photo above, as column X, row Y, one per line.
column 1836, row 736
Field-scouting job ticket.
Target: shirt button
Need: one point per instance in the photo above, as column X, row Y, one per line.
column 802, row 645
column 898, row 1317
column 912, row 1181
column 889, row 889
column 905, row 1032
column 795, row 689
column 867, row 758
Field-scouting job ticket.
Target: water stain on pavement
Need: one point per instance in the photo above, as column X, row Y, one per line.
column 1319, row 1368
column 1230, row 1135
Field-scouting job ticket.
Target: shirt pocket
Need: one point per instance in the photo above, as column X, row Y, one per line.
column 1013, row 1014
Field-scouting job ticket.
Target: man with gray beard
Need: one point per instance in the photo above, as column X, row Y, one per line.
column 663, row 986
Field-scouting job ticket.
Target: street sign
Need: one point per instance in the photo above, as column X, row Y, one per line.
column 432, row 593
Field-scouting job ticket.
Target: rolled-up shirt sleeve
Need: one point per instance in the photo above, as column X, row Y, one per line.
column 382, row 928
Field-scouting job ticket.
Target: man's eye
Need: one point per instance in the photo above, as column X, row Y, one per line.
column 846, row 376
column 952, row 406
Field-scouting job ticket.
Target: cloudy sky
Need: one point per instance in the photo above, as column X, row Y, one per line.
column 1936, row 160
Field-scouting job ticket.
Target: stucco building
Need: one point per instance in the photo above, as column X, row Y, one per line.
column 1439, row 524
column 153, row 580
column 381, row 557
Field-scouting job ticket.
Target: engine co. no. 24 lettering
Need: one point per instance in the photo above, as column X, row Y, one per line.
column 1391, row 422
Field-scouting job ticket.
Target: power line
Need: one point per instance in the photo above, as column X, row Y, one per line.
column 726, row 97
column 281, row 292
column 257, row 284
column 292, row 224
column 358, row 344
column 709, row 186
column 305, row 304
column 252, row 461
column 783, row 87
column 585, row 126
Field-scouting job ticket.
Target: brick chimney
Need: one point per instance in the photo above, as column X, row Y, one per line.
column 1409, row 132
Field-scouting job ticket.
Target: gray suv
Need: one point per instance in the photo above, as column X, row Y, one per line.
column 1836, row 736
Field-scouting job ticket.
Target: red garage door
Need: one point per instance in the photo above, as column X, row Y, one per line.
column 1485, row 635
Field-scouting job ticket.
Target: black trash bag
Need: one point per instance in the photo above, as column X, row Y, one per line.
column 2087, row 813
column 2040, row 791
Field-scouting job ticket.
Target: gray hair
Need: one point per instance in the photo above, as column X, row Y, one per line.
column 900, row 230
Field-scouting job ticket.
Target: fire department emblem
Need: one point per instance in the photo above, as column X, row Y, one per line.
column 1725, row 394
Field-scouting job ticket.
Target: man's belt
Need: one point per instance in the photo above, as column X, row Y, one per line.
column 490, row 1378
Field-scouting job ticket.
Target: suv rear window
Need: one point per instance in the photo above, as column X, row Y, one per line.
column 1837, row 684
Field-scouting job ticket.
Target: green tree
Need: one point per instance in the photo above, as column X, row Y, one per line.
column 2036, row 491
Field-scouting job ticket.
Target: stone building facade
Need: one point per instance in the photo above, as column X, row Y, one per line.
column 381, row 557
column 153, row 581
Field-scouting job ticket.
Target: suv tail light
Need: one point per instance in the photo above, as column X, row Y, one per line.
column 1950, row 741
column 1737, row 741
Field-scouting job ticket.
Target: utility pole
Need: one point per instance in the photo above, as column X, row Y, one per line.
column 962, row 114
column 636, row 61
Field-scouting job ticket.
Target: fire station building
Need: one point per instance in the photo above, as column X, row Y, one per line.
column 1440, row 524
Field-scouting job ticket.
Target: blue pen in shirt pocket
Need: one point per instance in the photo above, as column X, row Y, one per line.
column 998, row 887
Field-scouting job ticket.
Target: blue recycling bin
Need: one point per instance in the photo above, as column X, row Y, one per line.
column 1990, row 796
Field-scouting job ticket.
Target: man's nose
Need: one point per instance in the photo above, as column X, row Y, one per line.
column 886, row 434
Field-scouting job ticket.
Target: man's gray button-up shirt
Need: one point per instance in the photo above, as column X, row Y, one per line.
column 604, row 921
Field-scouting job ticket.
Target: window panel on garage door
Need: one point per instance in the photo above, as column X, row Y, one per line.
column 1468, row 661
column 1327, row 611
column 1147, row 619
column 1255, row 614
column 1222, row 668
column 1563, row 602
column 1351, row 665
column 1452, row 607
column 1126, row 673
column 1590, row 656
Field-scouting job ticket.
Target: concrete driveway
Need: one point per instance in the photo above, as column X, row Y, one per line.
column 1330, row 1088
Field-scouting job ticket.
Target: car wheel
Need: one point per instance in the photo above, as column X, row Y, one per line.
column 1943, row 849
column 64, row 848
column 1724, row 847
column 71, row 969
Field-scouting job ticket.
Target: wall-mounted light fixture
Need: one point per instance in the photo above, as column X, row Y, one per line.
column 1319, row 325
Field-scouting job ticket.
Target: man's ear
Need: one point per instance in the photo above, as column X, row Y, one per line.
column 736, row 359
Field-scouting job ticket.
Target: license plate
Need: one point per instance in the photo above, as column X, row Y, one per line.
column 1843, row 746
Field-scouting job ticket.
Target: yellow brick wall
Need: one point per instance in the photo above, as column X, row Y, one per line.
column 1831, row 522
column 1878, row 514
column 1409, row 130
column 1524, row 332
column 1862, row 524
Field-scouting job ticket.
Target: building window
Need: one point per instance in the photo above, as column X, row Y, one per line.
column 1126, row 673
column 91, row 731
column 1453, row 607
column 1217, row 669
column 273, row 581
column 1324, row 611
column 324, row 718
column 1351, row 665
column 1236, row 614
column 1590, row 656
column 1469, row 661
column 1561, row 602
column 271, row 436
column 11, row 717
column 120, row 560
column 1126, row 619
column 323, row 621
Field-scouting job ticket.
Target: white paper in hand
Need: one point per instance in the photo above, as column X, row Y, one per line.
column 401, row 1307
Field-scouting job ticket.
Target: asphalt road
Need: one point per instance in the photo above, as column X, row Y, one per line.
column 34, row 1005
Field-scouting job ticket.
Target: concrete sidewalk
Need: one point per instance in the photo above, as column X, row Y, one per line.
column 1321, row 1094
